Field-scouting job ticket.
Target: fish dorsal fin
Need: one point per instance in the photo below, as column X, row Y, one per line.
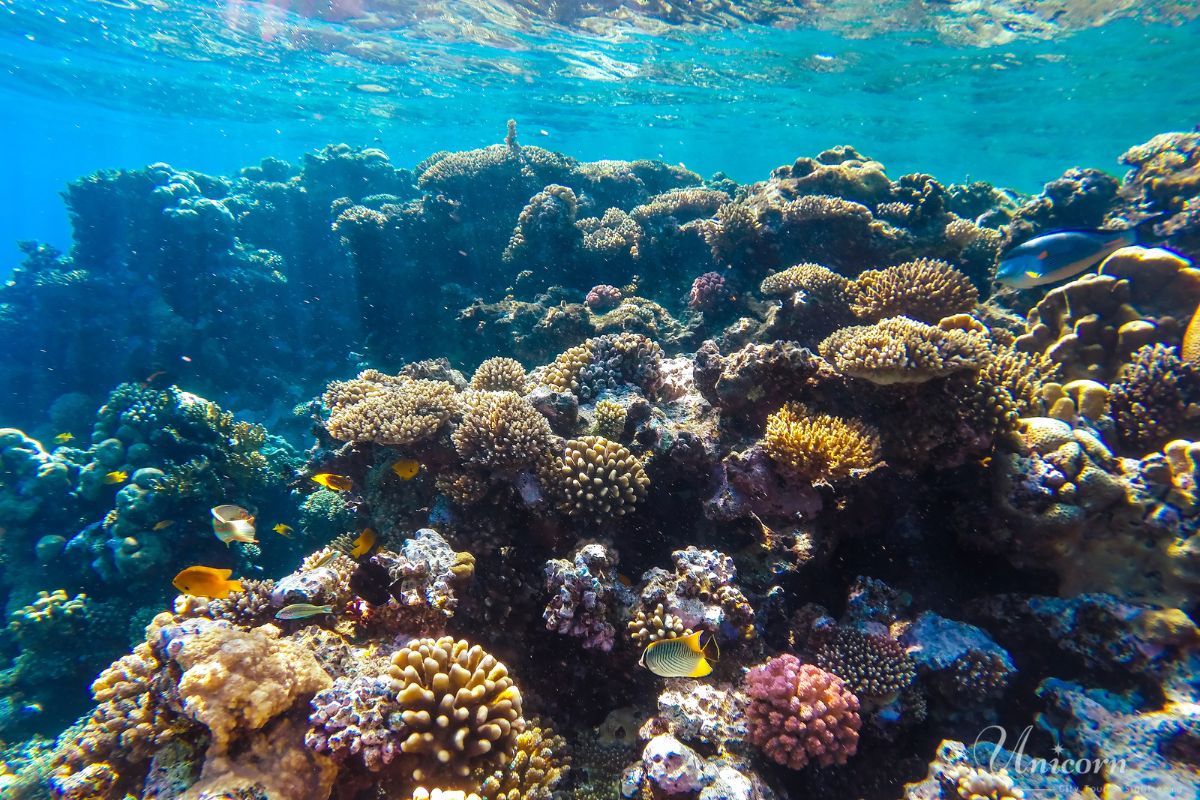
column 223, row 574
column 693, row 642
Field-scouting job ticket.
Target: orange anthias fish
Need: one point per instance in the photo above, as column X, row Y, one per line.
column 406, row 468
column 116, row 476
column 206, row 582
column 233, row 524
column 338, row 483
column 152, row 377
column 364, row 544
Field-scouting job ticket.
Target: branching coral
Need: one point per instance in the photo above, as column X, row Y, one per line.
column 1156, row 399
column 816, row 447
column 800, row 713
column 607, row 362
column 459, row 709
column 610, row 419
column 645, row 628
column 597, row 479
column 500, row 430
column 970, row 783
column 873, row 665
column 389, row 410
column 499, row 374
column 901, row 350
column 925, row 290
column 819, row 285
column 539, row 764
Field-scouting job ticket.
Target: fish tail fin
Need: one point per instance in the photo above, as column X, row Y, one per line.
column 702, row 668
column 710, row 649
column 1142, row 231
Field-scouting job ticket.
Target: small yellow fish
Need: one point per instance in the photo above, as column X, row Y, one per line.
column 233, row 524
column 406, row 468
column 323, row 560
column 283, row 530
column 116, row 476
column 364, row 544
column 681, row 657
column 206, row 582
column 302, row 611
column 163, row 525
column 338, row 483
column 63, row 438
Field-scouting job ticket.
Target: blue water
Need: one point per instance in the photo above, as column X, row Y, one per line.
column 214, row 86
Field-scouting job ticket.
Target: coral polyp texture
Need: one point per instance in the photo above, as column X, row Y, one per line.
column 799, row 713
column 498, row 423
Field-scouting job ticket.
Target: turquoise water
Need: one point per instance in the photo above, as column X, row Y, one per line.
column 213, row 86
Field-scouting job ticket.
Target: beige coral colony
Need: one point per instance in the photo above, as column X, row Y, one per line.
column 897, row 479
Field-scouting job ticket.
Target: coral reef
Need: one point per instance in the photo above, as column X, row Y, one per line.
column 819, row 446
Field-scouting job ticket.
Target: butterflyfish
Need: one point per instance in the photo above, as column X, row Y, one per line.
column 302, row 611
column 406, row 468
column 233, row 524
column 283, row 530
column 1059, row 255
column 364, row 544
column 338, row 483
column 681, row 657
column 63, row 438
column 206, row 582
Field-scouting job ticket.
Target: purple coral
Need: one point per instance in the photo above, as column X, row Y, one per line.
column 585, row 597
column 708, row 292
column 350, row 718
column 603, row 297
column 799, row 712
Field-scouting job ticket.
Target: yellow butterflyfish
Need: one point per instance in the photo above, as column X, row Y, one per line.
column 116, row 476
column 63, row 438
column 283, row 530
column 406, row 468
column 680, row 657
column 338, row 483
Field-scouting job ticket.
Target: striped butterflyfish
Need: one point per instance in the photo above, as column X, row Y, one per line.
column 681, row 657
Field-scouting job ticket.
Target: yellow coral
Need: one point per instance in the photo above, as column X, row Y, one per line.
column 925, row 290
column 564, row 372
column 389, row 410
column 814, row 280
column 462, row 488
column 538, row 766
column 819, row 446
column 236, row 680
column 598, row 479
column 461, row 710
column 646, row 628
column 500, row 430
column 901, row 350
column 610, row 419
column 499, row 375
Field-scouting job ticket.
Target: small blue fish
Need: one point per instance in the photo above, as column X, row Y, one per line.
column 302, row 611
column 1059, row 255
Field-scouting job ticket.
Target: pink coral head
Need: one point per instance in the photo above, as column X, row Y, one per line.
column 708, row 292
column 603, row 297
column 799, row 712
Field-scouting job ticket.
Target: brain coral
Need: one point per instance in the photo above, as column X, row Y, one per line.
column 598, row 479
column 388, row 410
column 819, row 446
column 925, row 290
column 800, row 713
column 901, row 350
column 872, row 665
column 459, row 708
column 500, row 430
column 499, row 375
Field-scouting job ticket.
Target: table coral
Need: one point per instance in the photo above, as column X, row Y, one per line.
column 901, row 350
column 800, row 713
column 925, row 290
column 819, row 447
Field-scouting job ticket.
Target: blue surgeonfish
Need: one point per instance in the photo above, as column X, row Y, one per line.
column 1059, row 255
column 681, row 657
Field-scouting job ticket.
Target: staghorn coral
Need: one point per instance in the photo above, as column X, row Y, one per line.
column 1155, row 399
column 459, row 709
column 901, row 350
column 872, row 665
column 1012, row 384
column 819, row 447
column 499, row 374
column 925, row 290
column 800, row 713
column 500, row 430
column 596, row 479
column 538, row 766
column 389, row 410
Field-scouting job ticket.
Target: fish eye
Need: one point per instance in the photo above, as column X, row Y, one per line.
column 619, row 732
